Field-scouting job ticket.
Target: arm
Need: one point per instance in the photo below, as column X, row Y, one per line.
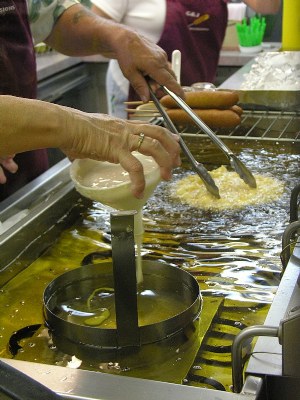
column 264, row 6
column 8, row 164
column 84, row 135
column 99, row 12
column 79, row 32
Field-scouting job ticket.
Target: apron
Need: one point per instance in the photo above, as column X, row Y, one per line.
column 18, row 78
column 197, row 28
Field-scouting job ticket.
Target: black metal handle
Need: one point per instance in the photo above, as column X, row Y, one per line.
column 123, row 258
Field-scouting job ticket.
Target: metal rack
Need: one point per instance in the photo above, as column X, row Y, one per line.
column 259, row 126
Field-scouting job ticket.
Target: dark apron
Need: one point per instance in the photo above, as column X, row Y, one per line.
column 18, row 78
column 196, row 28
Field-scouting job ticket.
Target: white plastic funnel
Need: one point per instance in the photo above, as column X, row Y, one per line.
column 110, row 184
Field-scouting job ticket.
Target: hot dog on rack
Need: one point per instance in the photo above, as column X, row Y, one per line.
column 214, row 118
column 205, row 99
column 218, row 109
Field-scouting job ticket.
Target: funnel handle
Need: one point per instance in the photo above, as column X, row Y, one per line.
column 124, row 271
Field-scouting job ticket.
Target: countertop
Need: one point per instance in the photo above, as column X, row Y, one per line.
column 234, row 58
column 52, row 62
column 236, row 79
column 238, row 59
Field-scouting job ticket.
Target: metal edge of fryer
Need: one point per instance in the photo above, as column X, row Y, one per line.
column 265, row 365
column 81, row 384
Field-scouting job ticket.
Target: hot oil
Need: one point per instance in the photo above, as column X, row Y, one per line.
column 234, row 254
column 98, row 307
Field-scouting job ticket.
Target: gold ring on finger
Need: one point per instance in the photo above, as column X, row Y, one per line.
column 141, row 139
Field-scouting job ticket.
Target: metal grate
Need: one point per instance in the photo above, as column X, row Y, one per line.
column 258, row 125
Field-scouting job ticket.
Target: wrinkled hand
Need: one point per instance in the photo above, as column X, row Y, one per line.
column 9, row 164
column 104, row 138
column 138, row 57
column 80, row 32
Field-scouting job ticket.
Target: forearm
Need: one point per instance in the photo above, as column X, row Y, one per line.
column 80, row 32
column 30, row 124
column 264, row 6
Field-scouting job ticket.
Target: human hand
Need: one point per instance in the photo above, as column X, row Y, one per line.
column 100, row 137
column 92, row 34
column 9, row 164
column 138, row 57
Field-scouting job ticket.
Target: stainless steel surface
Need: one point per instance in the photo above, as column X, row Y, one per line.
column 45, row 200
column 237, row 164
column 57, row 85
column 87, row 385
column 267, row 353
column 289, row 239
column 289, row 339
column 52, row 62
column 72, row 82
column 278, row 100
column 275, row 357
column 252, row 386
column 236, row 58
column 237, row 350
column 281, row 100
column 18, row 386
column 198, row 167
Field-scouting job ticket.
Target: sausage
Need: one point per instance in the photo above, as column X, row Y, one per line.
column 213, row 118
column 237, row 109
column 205, row 99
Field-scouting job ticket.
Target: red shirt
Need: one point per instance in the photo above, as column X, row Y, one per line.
column 196, row 28
column 18, row 78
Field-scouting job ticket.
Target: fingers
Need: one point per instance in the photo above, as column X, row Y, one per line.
column 152, row 141
column 145, row 58
column 162, row 76
column 2, row 176
column 136, row 173
column 165, row 76
column 104, row 138
column 9, row 164
column 159, row 143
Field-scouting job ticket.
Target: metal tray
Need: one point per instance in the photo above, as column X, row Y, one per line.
column 278, row 100
column 273, row 81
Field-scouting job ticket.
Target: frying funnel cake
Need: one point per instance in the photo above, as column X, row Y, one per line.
column 234, row 192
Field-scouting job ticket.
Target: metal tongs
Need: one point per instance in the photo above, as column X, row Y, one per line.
column 198, row 167
column 236, row 164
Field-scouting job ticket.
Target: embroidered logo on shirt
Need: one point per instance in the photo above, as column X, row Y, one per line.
column 194, row 26
column 7, row 9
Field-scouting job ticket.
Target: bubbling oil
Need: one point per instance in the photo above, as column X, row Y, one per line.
column 234, row 192
column 233, row 253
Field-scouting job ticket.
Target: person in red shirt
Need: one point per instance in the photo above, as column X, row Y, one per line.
column 196, row 28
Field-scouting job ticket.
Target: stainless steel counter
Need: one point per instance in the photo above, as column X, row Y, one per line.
column 235, row 58
column 52, row 62
column 235, row 80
